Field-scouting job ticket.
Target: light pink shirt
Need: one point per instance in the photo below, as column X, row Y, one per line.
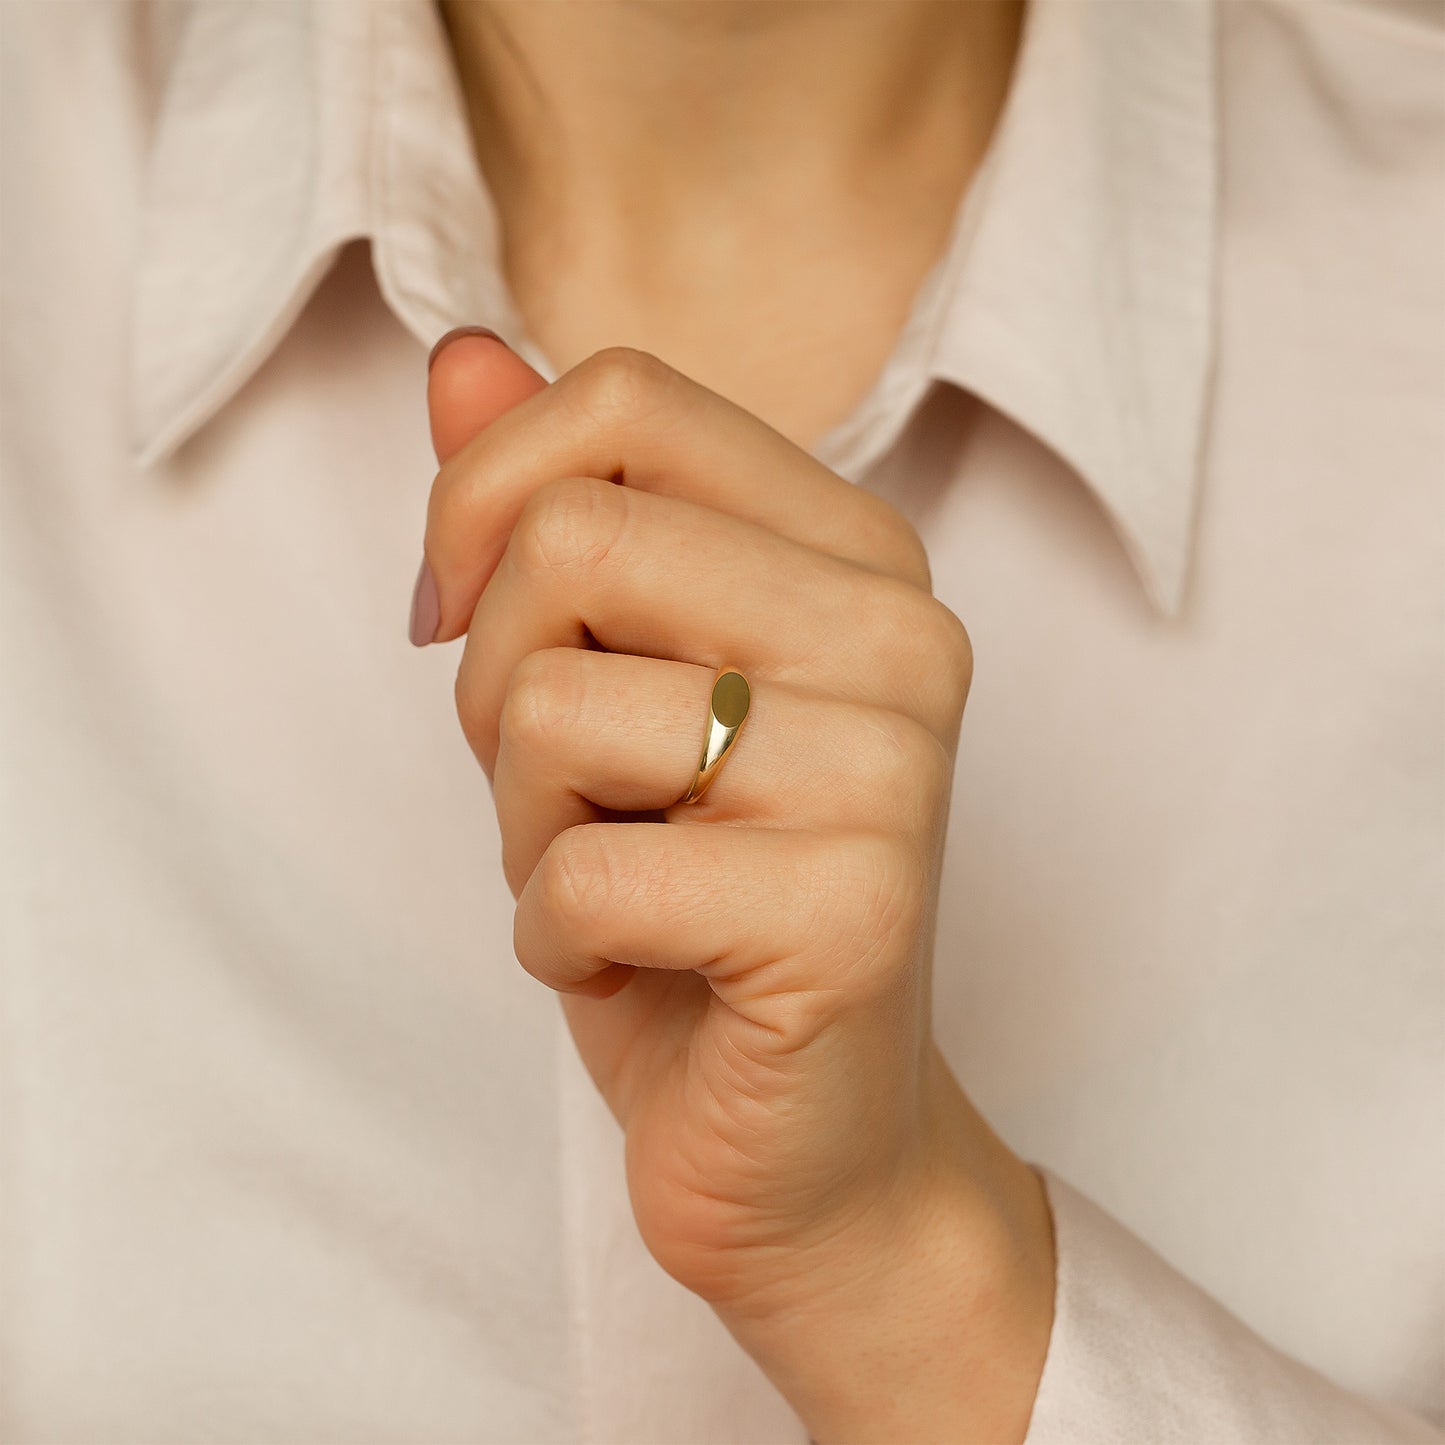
column 293, row 1150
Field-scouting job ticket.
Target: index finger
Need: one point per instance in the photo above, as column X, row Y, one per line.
column 624, row 415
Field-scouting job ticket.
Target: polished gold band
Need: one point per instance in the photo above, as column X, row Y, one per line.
column 727, row 711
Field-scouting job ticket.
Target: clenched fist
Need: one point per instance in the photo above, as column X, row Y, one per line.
column 747, row 978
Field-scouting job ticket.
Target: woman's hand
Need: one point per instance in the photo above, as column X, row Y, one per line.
column 747, row 978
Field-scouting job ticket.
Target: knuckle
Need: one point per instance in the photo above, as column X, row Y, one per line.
column 874, row 903
column 544, row 700
column 575, row 874
column 622, row 384
column 450, row 496
column 459, row 495
column 947, row 658
column 915, row 556
column 909, row 764
column 569, row 525
column 906, row 554
column 469, row 694
column 468, row 710
column 926, row 650
column 890, row 879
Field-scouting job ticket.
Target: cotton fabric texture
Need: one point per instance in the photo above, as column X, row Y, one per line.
column 294, row 1151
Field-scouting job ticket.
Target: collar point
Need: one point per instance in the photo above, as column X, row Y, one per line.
column 1163, row 580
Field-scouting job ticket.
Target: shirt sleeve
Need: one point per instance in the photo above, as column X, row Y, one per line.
column 1138, row 1353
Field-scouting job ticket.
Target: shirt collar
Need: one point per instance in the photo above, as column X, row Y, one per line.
column 284, row 131
column 1075, row 294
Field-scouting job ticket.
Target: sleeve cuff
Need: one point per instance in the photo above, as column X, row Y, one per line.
column 1137, row 1352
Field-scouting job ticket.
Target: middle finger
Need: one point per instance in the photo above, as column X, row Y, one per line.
column 653, row 575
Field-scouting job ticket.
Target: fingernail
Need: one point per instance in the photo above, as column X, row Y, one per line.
column 426, row 610
column 457, row 331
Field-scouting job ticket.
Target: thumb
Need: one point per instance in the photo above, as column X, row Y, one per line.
column 473, row 377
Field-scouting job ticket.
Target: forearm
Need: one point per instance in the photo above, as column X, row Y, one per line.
column 930, row 1326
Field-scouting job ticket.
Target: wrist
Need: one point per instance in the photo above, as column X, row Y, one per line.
column 928, row 1319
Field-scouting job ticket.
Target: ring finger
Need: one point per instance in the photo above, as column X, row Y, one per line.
column 657, row 576
column 584, row 734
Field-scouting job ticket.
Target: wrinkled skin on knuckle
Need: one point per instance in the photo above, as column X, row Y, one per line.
column 908, row 772
column 544, row 699
column 567, row 527
column 871, row 904
column 621, row 386
column 892, row 884
column 574, row 879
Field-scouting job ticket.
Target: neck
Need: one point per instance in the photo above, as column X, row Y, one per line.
column 672, row 131
column 751, row 189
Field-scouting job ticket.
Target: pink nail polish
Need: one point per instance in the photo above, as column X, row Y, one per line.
column 457, row 331
column 425, row 607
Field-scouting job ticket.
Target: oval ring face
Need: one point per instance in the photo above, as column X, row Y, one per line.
column 730, row 699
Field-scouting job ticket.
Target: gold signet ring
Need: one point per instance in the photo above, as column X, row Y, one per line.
column 727, row 710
